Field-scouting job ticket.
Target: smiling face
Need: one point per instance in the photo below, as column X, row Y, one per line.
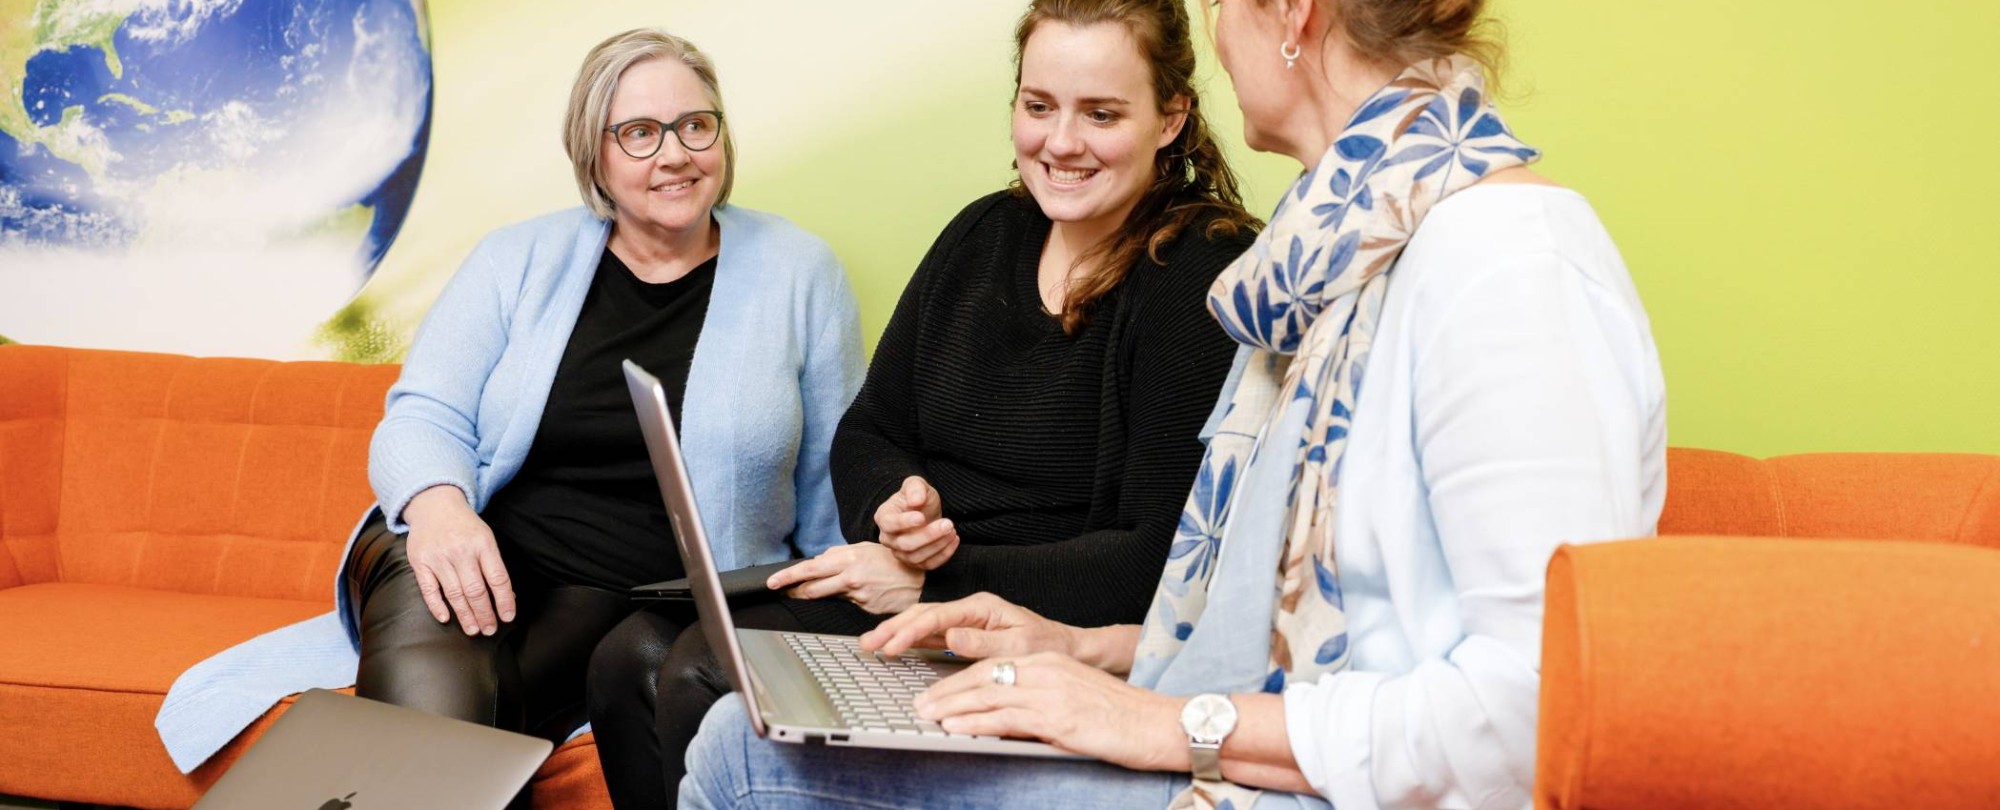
column 1086, row 125
column 673, row 190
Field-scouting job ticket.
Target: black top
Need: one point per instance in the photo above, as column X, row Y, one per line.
column 585, row 508
column 1063, row 460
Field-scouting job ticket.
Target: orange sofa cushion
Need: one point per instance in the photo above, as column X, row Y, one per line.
column 1754, row 673
column 82, row 671
column 217, row 476
column 1930, row 497
column 572, row 779
column 32, row 393
column 154, row 510
column 197, row 475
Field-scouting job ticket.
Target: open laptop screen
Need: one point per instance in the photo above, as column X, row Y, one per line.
column 664, row 447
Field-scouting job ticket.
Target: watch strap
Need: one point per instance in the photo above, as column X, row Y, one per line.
column 1207, row 759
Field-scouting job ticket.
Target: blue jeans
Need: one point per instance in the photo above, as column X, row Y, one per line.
column 730, row 766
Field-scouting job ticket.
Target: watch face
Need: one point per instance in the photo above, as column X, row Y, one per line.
column 1208, row 717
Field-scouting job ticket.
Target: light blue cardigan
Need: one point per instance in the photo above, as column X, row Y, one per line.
column 778, row 359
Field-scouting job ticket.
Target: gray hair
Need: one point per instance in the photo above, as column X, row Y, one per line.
column 590, row 106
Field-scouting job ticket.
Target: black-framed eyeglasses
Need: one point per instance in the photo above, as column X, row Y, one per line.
column 641, row 137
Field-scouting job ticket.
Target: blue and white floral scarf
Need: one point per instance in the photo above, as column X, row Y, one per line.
column 1306, row 299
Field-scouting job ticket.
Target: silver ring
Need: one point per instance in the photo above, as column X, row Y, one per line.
column 1003, row 673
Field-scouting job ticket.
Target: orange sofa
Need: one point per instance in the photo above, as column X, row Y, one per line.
column 155, row 509
column 1782, row 672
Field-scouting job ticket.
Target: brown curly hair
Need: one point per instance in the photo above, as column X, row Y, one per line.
column 1192, row 181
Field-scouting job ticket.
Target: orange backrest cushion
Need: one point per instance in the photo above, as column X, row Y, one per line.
column 32, row 391
column 1932, row 497
column 1696, row 672
column 214, row 476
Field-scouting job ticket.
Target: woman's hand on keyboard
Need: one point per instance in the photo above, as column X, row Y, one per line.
column 979, row 626
column 986, row 626
column 1057, row 699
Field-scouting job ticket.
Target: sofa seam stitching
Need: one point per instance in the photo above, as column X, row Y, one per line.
column 153, row 464
column 1958, row 533
column 320, row 506
column 62, row 463
column 80, row 688
column 236, row 481
column 1777, row 496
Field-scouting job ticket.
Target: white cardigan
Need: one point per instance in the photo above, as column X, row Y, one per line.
column 1513, row 403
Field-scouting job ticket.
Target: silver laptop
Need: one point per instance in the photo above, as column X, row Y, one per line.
column 801, row 687
column 333, row 752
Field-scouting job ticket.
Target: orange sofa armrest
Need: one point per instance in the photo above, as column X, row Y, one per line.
column 1734, row 672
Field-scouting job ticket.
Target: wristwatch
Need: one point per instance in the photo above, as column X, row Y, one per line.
column 1207, row 719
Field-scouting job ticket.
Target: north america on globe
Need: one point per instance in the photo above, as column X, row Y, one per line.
column 202, row 176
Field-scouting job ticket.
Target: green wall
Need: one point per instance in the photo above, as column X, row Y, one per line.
column 1803, row 193
column 1799, row 188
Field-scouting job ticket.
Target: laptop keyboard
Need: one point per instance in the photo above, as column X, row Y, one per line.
column 870, row 692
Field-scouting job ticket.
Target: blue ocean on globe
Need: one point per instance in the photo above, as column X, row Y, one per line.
column 144, row 138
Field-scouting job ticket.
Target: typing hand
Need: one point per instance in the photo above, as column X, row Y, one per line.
column 1057, row 699
column 979, row 626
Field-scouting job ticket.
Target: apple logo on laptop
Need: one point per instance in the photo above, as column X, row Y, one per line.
column 341, row 803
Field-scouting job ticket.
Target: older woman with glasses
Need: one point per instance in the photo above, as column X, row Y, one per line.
column 516, row 505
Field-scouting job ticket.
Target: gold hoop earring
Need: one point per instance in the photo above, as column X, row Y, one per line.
column 1291, row 54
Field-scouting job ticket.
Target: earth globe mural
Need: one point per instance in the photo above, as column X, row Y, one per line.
column 202, row 176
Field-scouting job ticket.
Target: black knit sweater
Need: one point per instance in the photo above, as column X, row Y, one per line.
column 1063, row 460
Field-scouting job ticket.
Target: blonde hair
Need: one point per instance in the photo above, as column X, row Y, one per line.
column 1405, row 32
column 590, row 106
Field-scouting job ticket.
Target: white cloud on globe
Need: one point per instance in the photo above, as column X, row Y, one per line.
column 251, row 240
column 175, row 20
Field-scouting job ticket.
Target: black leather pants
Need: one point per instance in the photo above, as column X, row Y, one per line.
column 528, row 677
